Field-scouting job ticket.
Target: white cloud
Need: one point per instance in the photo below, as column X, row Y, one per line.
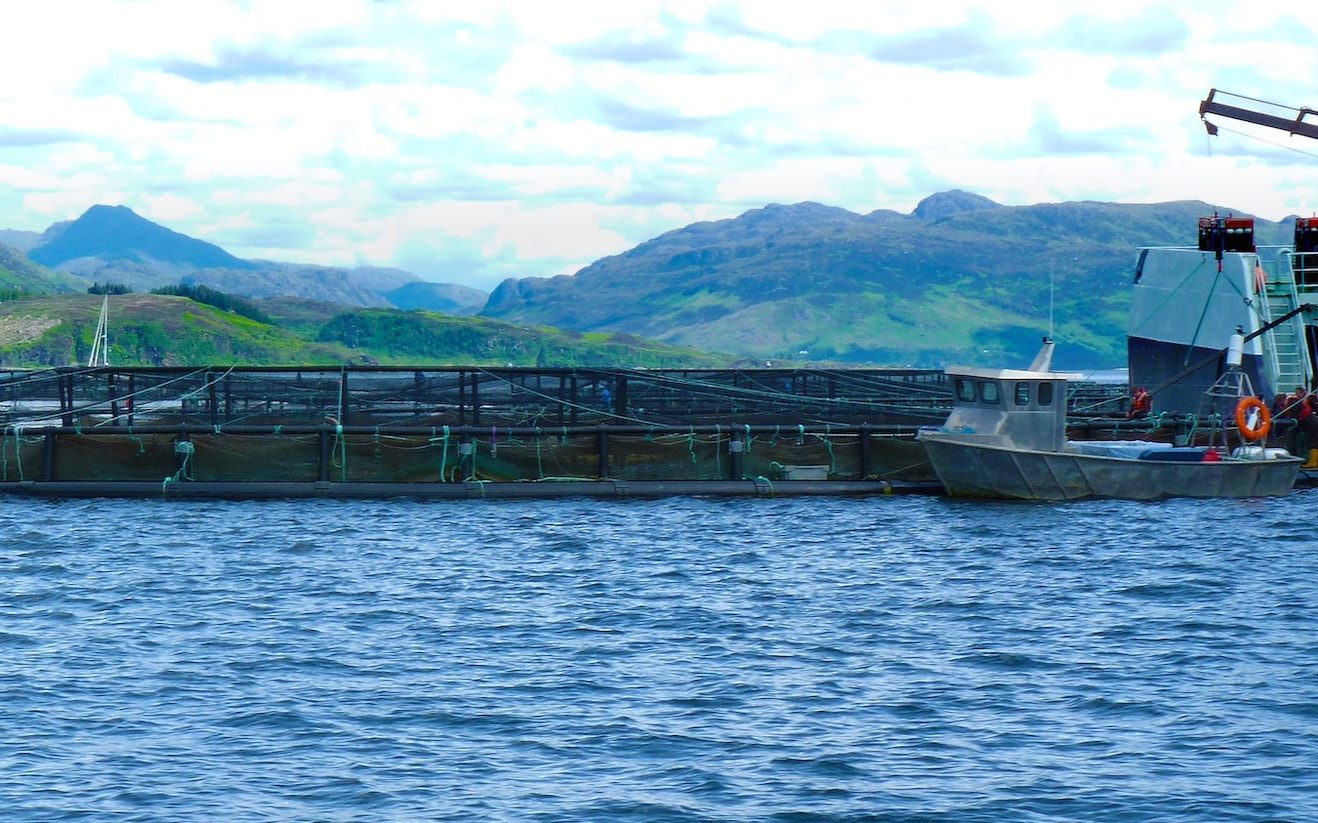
column 526, row 138
column 170, row 208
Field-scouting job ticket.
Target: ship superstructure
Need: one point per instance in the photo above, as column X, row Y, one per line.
column 1187, row 301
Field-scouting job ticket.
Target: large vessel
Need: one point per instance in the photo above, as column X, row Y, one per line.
column 1187, row 301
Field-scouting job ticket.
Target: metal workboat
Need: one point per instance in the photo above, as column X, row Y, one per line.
column 1006, row 438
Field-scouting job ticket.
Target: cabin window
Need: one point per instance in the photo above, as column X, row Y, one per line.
column 1022, row 394
column 965, row 390
column 1045, row 394
column 988, row 391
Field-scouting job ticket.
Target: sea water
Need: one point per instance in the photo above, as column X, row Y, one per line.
column 886, row 658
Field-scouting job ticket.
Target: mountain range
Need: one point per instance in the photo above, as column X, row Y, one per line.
column 961, row 278
column 115, row 244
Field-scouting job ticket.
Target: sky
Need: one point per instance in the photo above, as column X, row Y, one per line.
column 471, row 142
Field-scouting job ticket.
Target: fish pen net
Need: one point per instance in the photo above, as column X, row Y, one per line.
column 442, row 455
column 417, row 425
column 476, row 396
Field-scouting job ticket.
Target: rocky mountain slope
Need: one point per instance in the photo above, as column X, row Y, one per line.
column 115, row 244
column 960, row 279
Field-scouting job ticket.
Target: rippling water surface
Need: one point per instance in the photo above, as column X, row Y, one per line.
column 892, row 658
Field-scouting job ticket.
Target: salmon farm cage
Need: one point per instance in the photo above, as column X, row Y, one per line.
column 382, row 395
column 392, row 430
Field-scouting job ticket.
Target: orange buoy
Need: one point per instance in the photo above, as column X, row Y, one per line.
column 1257, row 430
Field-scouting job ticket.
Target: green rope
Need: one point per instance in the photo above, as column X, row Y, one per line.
column 718, row 451
column 828, row 442
column 800, row 434
column 767, row 482
column 18, row 453
column 443, row 456
column 539, row 466
column 340, row 446
column 141, row 446
column 691, row 444
column 279, row 429
column 182, row 473
column 774, row 440
column 749, row 439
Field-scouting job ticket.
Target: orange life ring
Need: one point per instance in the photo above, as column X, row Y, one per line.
column 1259, row 432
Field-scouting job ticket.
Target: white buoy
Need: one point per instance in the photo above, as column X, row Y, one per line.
column 1235, row 351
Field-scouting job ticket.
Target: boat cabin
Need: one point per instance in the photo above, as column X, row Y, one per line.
column 1012, row 408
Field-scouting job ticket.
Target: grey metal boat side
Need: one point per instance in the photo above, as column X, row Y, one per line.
column 1006, row 438
column 969, row 469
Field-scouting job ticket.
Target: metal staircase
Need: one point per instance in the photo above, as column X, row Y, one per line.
column 1286, row 357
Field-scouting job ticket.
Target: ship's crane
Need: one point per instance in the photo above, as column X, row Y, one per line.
column 1293, row 125
column 1287, row 303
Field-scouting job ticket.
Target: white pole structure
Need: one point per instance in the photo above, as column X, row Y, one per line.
column 101, row 340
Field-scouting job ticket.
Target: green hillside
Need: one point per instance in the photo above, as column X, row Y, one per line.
column 19, row 274
column 962, row 279
column 157, row 330
column 430, row 337
column 148, row 330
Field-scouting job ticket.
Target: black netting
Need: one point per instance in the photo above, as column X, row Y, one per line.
column 336, row 456
column 113, row 457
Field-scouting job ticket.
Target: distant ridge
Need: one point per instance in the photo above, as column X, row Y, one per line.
column 947, row 203
column 114, row 233
column 449, row 298
column 960, row 279
column 115, row 244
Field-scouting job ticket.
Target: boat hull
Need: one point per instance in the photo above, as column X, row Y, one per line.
column 979, row 470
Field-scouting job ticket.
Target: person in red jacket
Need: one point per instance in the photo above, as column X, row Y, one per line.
column 1140, row 404
column 1302, row 409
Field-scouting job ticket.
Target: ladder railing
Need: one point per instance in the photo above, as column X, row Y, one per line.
column 1287, row 356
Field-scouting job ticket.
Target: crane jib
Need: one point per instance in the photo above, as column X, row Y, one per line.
column 1293, row 125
